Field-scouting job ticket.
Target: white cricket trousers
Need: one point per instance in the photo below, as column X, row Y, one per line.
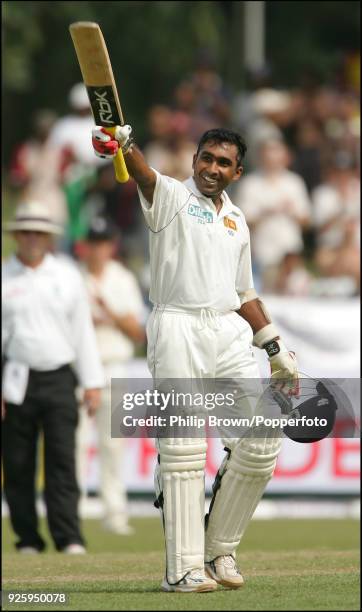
column 194, row 346
column 199, row 344
column 205, row 344
column 111, row 451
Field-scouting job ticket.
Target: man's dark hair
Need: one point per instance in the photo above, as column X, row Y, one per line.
column 220, row 135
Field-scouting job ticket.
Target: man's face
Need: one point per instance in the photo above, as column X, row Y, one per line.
column 215, row 167
column 274, row 156
column 99, row 252
column 32, row 246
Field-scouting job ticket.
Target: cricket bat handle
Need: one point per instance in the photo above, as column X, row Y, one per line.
column 120, row 167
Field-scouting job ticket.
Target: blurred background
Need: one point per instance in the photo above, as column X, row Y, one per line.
column 286, row 75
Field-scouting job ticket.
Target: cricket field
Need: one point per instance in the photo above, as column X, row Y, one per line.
column 287, row 565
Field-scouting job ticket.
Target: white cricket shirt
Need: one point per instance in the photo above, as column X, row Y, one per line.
column 46, row 319
column 199, row 259
column 74, row 132
column 119, row 289
column 330, row 204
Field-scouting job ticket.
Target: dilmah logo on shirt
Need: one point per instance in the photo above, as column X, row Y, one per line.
column 231, row 225
column 203, row 215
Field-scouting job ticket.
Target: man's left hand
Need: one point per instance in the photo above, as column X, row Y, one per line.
column 284, row 366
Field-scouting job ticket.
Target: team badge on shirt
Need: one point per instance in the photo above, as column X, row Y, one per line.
column 230, row 223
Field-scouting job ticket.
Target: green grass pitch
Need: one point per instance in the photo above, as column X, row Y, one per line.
column 287, row 565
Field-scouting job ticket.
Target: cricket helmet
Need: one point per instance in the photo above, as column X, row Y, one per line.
column 312, row 414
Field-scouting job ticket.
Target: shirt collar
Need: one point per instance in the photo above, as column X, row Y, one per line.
column 47, row 265
column 227, row 207
column 191, row 186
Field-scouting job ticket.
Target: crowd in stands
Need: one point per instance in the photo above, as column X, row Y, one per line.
column 300, row 191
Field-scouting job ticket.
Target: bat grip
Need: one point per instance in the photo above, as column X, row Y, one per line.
column 120, row 167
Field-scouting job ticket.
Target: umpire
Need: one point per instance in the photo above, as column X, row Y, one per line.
column 49, row 347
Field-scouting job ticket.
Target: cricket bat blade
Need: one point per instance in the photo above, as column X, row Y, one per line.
column 97, row 73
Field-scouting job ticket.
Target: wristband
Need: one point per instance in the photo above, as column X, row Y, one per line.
column 272, row 348
column 275, row 347
column 128, row 145
column 264, row 335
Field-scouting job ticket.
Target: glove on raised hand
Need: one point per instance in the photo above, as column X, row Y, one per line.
column 106, row 145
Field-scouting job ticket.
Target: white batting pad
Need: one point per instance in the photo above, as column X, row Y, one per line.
column 180, row 479
column 243, row 480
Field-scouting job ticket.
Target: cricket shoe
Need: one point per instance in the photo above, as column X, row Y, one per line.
column 28, row 550
column 119, row 527
column 194, row 582
column 224, row 571
column 74, row 549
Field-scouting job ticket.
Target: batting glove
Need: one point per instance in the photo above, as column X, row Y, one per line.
column 283, row 366
column 282, row 362
column 106, row 145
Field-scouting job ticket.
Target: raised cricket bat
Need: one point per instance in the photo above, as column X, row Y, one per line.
column 98, row 78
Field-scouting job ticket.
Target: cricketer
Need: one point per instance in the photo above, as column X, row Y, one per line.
column 206, row 317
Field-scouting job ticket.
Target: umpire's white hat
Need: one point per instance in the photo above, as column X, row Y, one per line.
column 33, row 216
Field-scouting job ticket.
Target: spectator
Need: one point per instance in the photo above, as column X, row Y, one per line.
column 172, row 153
column 37, row 166
column 159, row 128
column 185, row 100
column 46, row 327
column 203, row 97
column 170, row 150
column 70, row 135
column 266, row 118
column 293, row 277
column 182, row 149
column 277, row 208
column 336, row 214
column 117, row 309
column 242, row 104
column 212, row 98
column 119, row 202
column 310, row 146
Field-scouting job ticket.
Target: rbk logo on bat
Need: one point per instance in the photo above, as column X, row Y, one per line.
column 103, row 105
column 105, row 110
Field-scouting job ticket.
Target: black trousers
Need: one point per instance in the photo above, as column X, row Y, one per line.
column 49, row 405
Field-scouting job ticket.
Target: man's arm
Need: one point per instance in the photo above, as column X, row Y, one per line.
column 106, row 147
column 87, row 361
column 283, row 363
column 254, row 313
column 141, row 172
column 126, row 323
column 129, row 325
